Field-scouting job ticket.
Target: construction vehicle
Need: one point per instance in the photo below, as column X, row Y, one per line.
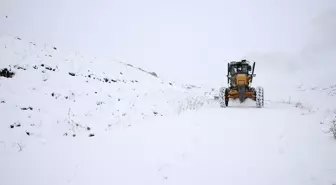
column 240, row 75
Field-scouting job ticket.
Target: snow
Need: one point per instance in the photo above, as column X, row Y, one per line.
column 208, row 146
column 62, row 123
column 100, row 96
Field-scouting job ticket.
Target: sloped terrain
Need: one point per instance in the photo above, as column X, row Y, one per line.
column 47, row 93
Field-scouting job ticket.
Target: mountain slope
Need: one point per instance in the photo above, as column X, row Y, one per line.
column 55, row 93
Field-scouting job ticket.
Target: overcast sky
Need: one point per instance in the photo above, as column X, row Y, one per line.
column 186, row 40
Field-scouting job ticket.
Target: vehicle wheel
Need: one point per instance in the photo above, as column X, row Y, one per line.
column 223, row 92
column 260, row 97
column 241, row 90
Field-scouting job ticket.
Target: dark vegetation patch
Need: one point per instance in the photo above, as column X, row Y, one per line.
column 16, row 124
column 6, row 73
column 49, row 68
column 19, row 67
column 27, row 108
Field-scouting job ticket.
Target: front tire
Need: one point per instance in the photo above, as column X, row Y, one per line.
column 223, row 101
column 241, row 90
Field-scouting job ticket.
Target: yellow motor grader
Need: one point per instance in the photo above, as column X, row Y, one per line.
column 240, row 75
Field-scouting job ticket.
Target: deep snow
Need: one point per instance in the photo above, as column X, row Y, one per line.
column 71, row 119
column 239, row 145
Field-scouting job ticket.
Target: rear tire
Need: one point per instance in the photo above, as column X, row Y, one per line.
column 260, row 97
column 223, row 91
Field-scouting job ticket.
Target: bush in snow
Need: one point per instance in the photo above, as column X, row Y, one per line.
column 193, row 103
column 333, row 128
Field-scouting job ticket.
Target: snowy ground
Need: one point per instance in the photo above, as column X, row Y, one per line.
column 238, row 145
column 75, row 120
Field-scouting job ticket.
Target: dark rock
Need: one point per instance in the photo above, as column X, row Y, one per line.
column 72, row 74
column 153, row 74
column 99, row 103
column 91, row 135
column 28, row 108
column 5, row 73
column 49, row 68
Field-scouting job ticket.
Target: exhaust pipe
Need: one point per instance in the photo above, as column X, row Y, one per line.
column 253, row 71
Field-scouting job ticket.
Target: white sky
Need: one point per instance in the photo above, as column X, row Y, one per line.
column 186, row 40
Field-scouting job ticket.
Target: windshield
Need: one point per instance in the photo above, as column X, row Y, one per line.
column 239, row 69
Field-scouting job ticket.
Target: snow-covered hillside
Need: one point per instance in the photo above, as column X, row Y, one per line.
column 70, row 119
column 54, row 93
